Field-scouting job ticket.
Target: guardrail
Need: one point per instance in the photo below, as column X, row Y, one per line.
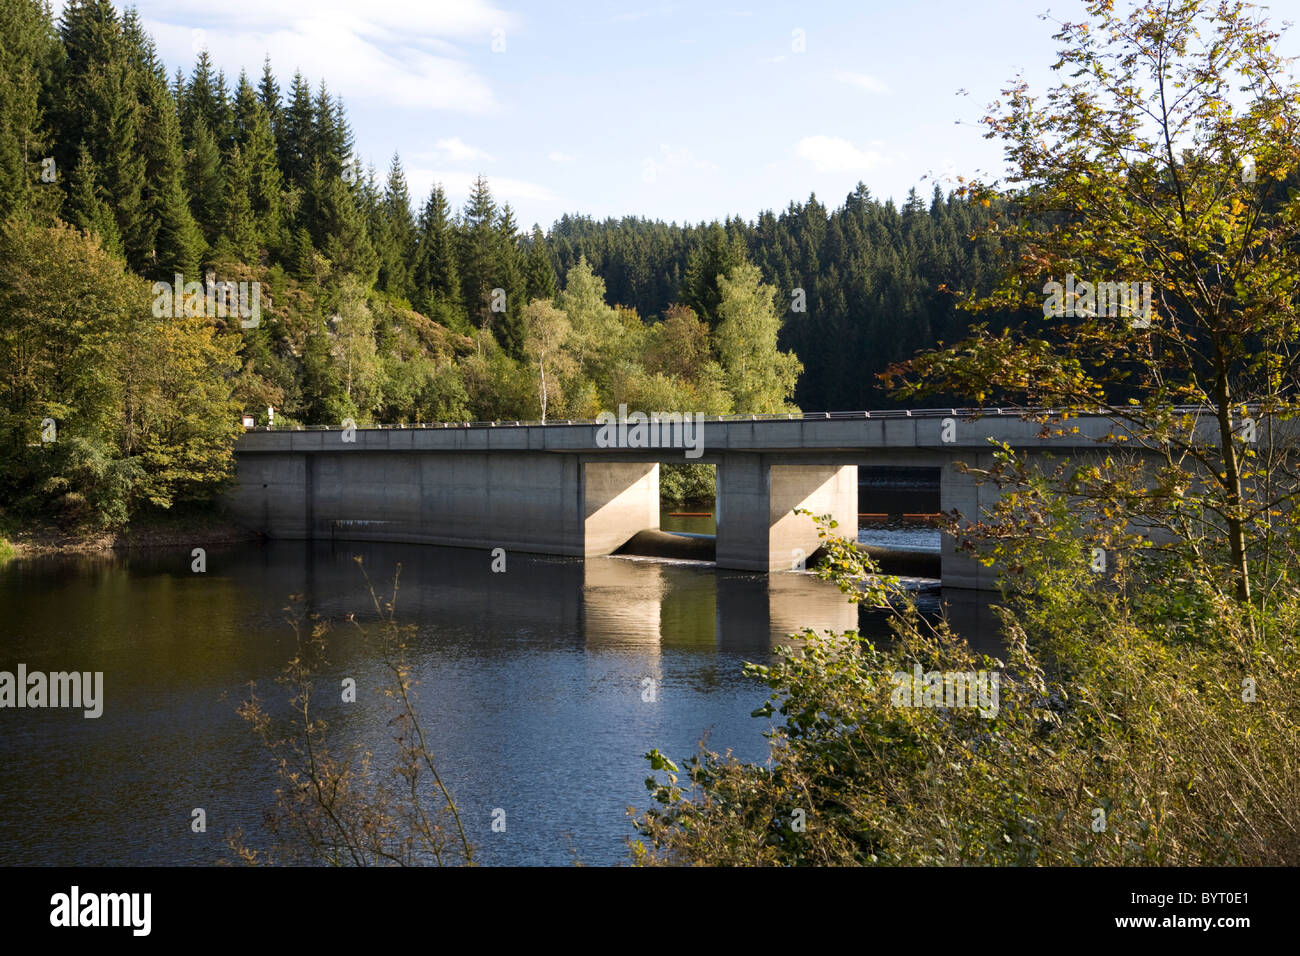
column 889, row 413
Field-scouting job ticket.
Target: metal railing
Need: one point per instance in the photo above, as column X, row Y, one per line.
column 883, row 414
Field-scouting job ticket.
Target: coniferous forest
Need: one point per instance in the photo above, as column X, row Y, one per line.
column 376, row 305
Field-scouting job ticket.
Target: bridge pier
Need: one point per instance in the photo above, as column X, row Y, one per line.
column 619, row 498
column 971, row 500
column 757, row 527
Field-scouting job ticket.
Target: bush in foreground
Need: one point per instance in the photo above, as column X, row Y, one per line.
column 1123, row 734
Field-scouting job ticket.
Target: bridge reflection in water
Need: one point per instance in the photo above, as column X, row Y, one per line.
column 638, row 607
column 531, row 684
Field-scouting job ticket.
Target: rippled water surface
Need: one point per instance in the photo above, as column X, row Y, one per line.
column 533, row 687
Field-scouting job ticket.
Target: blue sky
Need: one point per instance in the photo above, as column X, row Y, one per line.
column 678, row 111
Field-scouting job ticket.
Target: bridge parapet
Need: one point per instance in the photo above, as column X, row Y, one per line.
column 937, row 429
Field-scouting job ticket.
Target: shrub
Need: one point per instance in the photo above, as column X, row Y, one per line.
column 1125, row 733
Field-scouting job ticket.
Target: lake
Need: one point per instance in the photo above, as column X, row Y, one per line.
column 541, row 687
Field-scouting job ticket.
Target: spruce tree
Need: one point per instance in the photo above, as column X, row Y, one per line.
column 509, row 271
column 206, row 99
column 268, row 91
column 301, row 255
column 294, row 139
column 331, row 137
column 179, row 243
column 175, row 243
column 86, row 207
column 435, row 276
column 239, row 228
column 27, row 47
column 344, row 238
column 205, row 180
column 478, row 241
column 98, row 105
column 717, row 256
column 539, row 277
column 399, row 227
column 256, row 142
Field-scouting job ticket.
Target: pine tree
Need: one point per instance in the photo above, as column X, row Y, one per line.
column 344, row 238
column 175, row 243
column 397, row 258
column 343, row 141
column 331, row 138
column 206, row 99
column 205, row 180
column 539, row 277
column 239, row 227
column 718, row 255
column 476, row 253
column 268, row 91
column 435, row 276
column 256, row 141
column 509, row 270
column 301, row 256
column 26, row 47
column 86, row 207
column 243, row 107
column 179, row 243
column 294, row 138
column 97, row 104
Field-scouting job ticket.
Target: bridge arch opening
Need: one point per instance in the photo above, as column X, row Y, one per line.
column 894, row 494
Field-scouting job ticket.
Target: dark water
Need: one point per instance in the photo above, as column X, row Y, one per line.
column 532, row 687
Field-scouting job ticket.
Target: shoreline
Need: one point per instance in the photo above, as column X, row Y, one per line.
column 148, row 534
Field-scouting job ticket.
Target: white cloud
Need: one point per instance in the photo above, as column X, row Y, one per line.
column 831, row 154
column 410, row 55
column 679, row 157
column 674, row 160
column 556, row 156
column 457, row 183
column 446, row 18
column 456, row 150
column 863, row 81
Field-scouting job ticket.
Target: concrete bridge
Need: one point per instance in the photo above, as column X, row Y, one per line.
column 569, row 488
